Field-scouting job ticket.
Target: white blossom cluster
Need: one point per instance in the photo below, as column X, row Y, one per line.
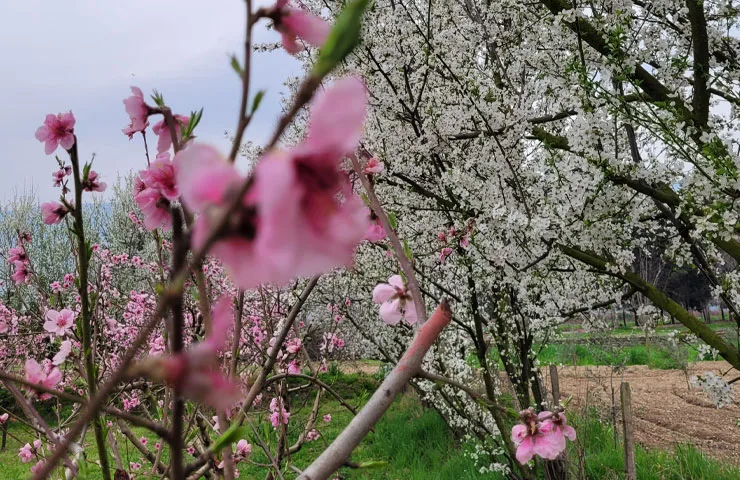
column 719, row 391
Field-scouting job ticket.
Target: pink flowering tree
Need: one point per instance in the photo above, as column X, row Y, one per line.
column 194, row 322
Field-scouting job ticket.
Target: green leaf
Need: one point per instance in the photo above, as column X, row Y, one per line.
column 393, row 220
column 257, row 100
column 407, row 250
column 343, row 38
column 158, row 99
column 233, row 434
column 235, row 65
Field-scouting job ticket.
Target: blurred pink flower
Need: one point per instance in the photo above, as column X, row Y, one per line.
column 161, row 176
column 47, row 377
column 195, row 371
column 163, row 132
column 138, row 112
column 155, row 207
column 3, row 418
column 21, row 274
column 396, row 302
column 294, row 23
column 17, row 254
column 92, row 183
column 53, row 212
column 303, row 224
column 59, row 323
column 64, row 350
column 373, row 165
column 26, row 453
column 57, row 129
column 375, row 232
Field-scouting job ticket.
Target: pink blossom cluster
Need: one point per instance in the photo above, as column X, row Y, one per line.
column 541, row 434
column 395, row 301
column 278, row 414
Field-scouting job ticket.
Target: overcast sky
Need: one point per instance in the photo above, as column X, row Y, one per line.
column 82, row 55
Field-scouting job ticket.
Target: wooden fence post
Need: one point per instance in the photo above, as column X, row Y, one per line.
column 629, row 432
column 555, row 385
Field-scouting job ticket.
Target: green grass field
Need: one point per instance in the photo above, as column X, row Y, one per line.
column 413, row 443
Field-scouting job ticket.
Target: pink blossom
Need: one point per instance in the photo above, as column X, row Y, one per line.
column 53, row 212
column 294, row 368
column 37, row 467
column 446, row 252
column 138, row 112
column 327, row 418
column 37, row 444
column 279, row 414
column 49, row 378
column 64, row 350
column 557, row 424
column 17, row 254
column 161, row 176
column 294, row 23
column 243, row 448
column 293, row 345
column 143, row 440
column 57, row 129
column 303, row 224
column 465, row 241
column 375, row 232
column 3, row 418
column 536, row 438
column 21, row 274
column 396, row 302
column 59, row 175
column 59, row 323
column 3, row 326
column 373, row 165
column 26, row 453
column 442, row 236
column 312, row 435
column 163, row 132
column 196, row 371
column 92, row 183
column 155, row 207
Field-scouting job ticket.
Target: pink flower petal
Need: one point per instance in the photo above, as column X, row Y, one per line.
column 390, row 312
column 383, row 292
column 337, row 116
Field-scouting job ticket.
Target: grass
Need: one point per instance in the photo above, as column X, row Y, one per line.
column 655, row 356
column 602, row 460
column 413, row 443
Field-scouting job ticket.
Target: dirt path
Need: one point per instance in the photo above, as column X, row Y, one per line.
column 667, row 412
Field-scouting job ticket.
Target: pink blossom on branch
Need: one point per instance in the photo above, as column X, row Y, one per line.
column 542, row 435
column 373, row 165
column 138, row 112
column 300, row 217
column 25, row 453
column 57, row 130
column 294, row 23
column 45, row 376
column 53, row 212
column 195, row 371
column 396, row 302
column 17, row 254
column 155, row 207
column 375, row 232
column 92, row 183
column 3, row 418
column 22, row 274
column 163, row 132
column 161, row 176
column 59, row 323
column 64, row 350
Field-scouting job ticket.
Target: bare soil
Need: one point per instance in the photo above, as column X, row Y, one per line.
column 667, row 411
